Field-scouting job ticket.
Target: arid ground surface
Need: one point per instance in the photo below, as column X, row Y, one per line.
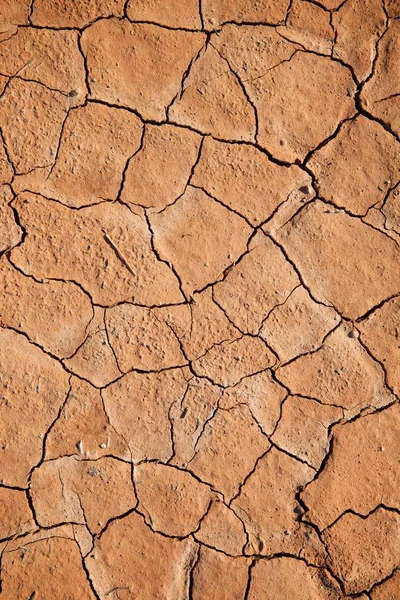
column 200, row 300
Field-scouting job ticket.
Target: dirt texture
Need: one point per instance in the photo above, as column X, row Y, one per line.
column 199, row 300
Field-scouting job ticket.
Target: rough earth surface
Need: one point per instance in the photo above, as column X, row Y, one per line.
column 199, row 300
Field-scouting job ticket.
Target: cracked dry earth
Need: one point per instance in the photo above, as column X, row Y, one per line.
column 200, row 300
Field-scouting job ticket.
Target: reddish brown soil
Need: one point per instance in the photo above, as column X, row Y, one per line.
column 199, row 299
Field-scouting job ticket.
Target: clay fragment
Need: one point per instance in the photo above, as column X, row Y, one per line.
column 244, row 179
column 340, row 373
column 33, row 389
column 364, row 551
column 172, row 501
column 184, row 234
column 131, row 557
column 138, row 407
column 47, row 568
column 199, row 325
column 139, row 66
column 219, row 460
column 353, row 286
column 85, row 492
column 77, row 14
column 166, row 149
column 361, row 471
column 171, row 13
column 96, row 143
column 104, row 248
column 218, row 576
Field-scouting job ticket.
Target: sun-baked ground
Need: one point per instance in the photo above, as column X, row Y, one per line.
column 199, row 299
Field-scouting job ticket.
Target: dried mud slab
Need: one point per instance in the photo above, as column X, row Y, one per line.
column 46, row 56
column 361, row 472
column 184, row 234
column 93, row 248
column 188, row 416
column 267, row 505
column 212, row 101
column 129, row 556
column 45, row 568
column 16, row 515
column 217, row 12
column 358, row 27
column 218, row 460
column 170, row 13
column 140, row 340
column 256, row 284
column 310, row 26
column 199, row 325
column 75, row 485
column 32, row 117
column 380, row 332
column 77, row 14
column 358, row 167
column 139, row 66
column 165, row 149
column 138, row 407
column 58, row 313
column 388, row 589
column 172, row 501
column 303, row 429
column 242, row 178
column 10, row 232
column 13, row 14
column 288, row 579
column 83, row 429
column 95, row 350
column 340, row 373
column 370, row 554
column 262, row 394
column 380, row 94
column 33, row 389
column 369, row 273
column 96, row 143
column 218, row 576
column 298, row 325
column 222, row 529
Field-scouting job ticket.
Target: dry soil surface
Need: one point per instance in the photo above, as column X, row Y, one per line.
column 199, row 299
